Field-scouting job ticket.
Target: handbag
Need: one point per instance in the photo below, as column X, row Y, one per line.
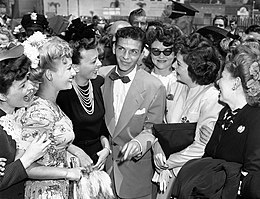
column 174, row 137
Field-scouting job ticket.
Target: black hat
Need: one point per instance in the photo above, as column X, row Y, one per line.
column 34, row 20
column 180, row 9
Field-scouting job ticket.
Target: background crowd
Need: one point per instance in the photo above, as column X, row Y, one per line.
column 78, row 105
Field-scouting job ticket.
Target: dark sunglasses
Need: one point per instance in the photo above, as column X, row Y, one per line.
column 157, row 52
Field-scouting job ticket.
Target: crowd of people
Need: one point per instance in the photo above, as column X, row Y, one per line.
column 78, row 109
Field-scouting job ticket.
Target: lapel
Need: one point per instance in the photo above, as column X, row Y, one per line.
column 132, row 102
column 108, row 101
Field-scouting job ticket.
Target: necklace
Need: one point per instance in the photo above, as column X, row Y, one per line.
column 85, row 96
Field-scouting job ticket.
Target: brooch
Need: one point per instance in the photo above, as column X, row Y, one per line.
column 241, row 129
column 169, row 97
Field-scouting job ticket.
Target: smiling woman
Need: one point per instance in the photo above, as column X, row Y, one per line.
column 161, row 40
column 194, row 99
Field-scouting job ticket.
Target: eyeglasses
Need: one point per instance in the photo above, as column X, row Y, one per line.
column 157, row 52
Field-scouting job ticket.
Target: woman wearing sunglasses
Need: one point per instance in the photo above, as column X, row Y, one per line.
column 193, row 99
column 161, row 41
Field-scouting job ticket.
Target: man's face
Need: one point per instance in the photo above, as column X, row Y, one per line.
column 219, row 23
column 140, row 21
column 233, row 25
column 127, row 53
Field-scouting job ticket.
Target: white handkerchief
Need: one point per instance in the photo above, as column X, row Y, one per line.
column 140, row 111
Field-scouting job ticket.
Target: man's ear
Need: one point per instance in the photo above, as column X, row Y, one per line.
column 3, row 97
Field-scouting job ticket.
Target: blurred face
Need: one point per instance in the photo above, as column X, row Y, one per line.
column 64, row 74
column 89, row 64
column 127, row 53
column 233, row 25
column 140, row 21
column 162, row 56
column 226, row 83
column 219, row 23
column 182, row 70
column 4, row 40
column 21, row 93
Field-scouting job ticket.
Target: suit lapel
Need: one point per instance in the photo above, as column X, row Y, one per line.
column 131, row 104
column 108, row 101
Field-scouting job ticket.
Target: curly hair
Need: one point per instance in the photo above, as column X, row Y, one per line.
column 238, row 65
column 13, row 69
column 165, row 33
column 53, row 49
column 77, row 46
column 201, row 57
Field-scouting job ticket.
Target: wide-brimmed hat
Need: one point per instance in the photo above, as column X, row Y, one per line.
column 11, row 52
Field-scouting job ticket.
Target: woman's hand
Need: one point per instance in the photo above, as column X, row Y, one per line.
column 205, row 133
column 164, row 179
column 74, row 174
column 85, row 161
column 160, row 161
column 102, row 157
column 35, row 150
column 2, row 166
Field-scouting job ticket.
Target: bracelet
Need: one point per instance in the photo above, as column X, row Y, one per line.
column 66, row 176
column 109, row 150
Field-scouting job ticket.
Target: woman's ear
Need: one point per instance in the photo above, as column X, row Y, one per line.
column 237, row 83
column 3, row 97
column 48, row 75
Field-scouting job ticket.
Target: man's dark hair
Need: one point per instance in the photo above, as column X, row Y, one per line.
column 221, row 17
column 131, row 32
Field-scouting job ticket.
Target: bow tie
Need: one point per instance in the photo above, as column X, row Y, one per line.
column 114, row 76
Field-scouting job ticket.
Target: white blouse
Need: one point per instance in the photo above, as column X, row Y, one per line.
column 198, row 104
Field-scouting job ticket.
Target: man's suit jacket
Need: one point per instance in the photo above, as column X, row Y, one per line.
column 144, row 105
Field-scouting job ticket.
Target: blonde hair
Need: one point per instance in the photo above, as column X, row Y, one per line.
column 55, row 48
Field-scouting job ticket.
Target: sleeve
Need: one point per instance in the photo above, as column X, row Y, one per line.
column 208, row 115
column 252, row 149
column 14, row 173
column 103, row 129
column 155, row 115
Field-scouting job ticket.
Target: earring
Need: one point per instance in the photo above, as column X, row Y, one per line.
column 234, row 88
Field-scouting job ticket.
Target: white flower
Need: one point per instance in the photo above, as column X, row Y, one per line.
column 32, row 45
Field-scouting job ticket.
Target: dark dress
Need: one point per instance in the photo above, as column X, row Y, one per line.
column 235, row 141
column 12, row 183
column 240, row 143
column 87, row 128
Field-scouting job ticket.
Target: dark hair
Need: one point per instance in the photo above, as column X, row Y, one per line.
column 201, row 57
column 131, row 32
column 77, row 46
column 221, row 17
column 164, row 33
column 253, row 28
column 238, row 64
column 136, row 13
column 13, row 69
column 233, row 20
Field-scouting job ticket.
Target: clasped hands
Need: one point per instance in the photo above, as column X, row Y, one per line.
column 162, row 168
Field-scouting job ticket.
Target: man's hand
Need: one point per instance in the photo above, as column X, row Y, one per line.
column 130, row 150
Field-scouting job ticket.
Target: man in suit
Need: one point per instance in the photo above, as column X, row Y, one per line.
column 134, row 101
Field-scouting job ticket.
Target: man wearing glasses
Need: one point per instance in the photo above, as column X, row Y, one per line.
column 134, row 101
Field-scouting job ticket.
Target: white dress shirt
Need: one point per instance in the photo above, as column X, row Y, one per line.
column 120, row 91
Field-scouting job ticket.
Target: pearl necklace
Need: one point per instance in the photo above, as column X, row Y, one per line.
column 86, row 97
